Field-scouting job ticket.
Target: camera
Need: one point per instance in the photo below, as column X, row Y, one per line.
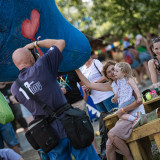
column 35, row 55
column 88, row 92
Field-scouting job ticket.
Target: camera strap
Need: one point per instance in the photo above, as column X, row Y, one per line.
column 52, row 115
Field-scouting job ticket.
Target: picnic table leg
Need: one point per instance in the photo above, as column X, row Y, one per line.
column 134, row 147
column 145, row 151
column 157, row 140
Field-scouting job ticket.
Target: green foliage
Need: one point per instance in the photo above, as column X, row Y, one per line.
column 128, row 15
column 114, row 18
column 73, row 10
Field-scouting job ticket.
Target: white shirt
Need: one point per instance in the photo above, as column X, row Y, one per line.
column 133, row 112
column 93, row 75
column 125, row 91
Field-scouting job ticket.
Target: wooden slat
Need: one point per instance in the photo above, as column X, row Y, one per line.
column 152, row 100
column 134, row 147
column 110, row 123
column 148, row 129
column 152, row 106
column 110, row 116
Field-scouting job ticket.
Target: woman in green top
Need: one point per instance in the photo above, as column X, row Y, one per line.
column 144, row 52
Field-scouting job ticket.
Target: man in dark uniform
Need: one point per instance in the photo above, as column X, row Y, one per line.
column 40, row 78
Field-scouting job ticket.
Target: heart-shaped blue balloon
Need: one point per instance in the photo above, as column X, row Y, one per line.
column 52, row 25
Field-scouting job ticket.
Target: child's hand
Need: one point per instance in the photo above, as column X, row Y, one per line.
column 64, row 90
column 139, row 100
column 113, row 100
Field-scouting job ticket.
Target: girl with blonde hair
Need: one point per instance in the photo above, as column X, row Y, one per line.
column 124, row 94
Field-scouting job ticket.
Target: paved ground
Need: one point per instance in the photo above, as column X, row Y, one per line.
column 29, row 154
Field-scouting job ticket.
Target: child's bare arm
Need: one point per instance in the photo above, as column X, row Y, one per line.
column 136, row 90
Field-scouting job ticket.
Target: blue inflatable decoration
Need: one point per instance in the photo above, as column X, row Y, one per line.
column 22, row 22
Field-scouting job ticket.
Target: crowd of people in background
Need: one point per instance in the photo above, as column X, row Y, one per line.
column 137, row 53
column 138, row 56
column 102, row 84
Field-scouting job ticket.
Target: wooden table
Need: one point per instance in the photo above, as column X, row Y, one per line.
column 152, row 104
column 149, row 106
column 140, row 136
column 110, row 120
column 139, row 142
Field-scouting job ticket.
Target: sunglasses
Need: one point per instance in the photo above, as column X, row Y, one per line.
column 156, row 39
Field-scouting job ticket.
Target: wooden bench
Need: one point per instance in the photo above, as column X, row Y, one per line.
column 149, row 106
column 139, row 142
column 110, row 120
column 152, row 104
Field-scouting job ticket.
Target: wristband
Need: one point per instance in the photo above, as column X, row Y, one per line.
column 36, row 45
column 123, row 111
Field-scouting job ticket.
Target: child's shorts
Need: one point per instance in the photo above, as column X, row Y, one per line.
column 128, row 102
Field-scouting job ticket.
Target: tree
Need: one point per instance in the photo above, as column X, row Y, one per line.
column 125, row 16
column 114, row 18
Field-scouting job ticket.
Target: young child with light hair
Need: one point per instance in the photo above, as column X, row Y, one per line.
column 125, row 87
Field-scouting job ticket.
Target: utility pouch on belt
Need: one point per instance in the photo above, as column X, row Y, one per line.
column 40, row 134
column 78, row 128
